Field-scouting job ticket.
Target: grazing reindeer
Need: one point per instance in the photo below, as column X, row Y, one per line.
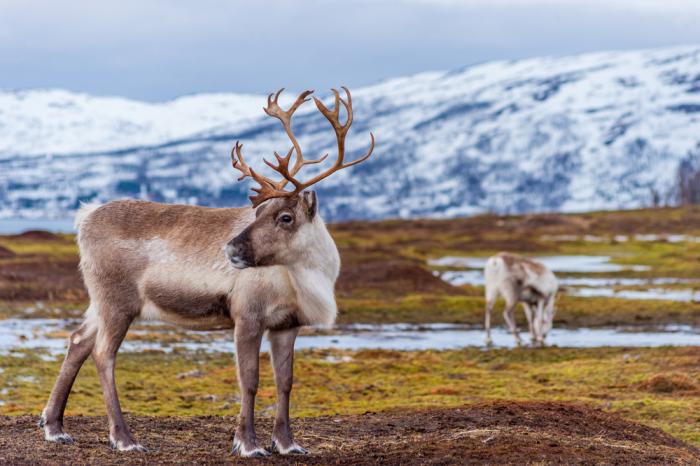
column 517, row 278
column 178, row 264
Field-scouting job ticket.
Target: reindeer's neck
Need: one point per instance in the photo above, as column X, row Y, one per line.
column 313, row 277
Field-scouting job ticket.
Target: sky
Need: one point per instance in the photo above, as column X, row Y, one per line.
column 155, row 50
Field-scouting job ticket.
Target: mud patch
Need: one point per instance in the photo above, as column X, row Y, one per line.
column 499, row 432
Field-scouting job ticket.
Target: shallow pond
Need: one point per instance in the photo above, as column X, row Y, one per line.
column 582, row 264
column 623, row 238
column 654, row 293
column 476, row 278
column 16, row 334
column 577, row 286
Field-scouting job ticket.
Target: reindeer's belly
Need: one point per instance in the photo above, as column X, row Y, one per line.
column 530, row 296
column 187, row 310
column 187, row 295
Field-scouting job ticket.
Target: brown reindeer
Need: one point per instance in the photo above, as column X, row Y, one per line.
column 178, row 264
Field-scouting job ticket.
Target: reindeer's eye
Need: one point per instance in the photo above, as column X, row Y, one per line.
column 286, row 219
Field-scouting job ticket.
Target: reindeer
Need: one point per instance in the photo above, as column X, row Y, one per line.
column 178, row 264
column 517, row 278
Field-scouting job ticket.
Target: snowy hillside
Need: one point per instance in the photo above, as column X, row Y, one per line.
column 58, row 122
column 595, row 131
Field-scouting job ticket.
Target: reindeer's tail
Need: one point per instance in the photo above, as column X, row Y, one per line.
column 492, row 270
column 84, row 212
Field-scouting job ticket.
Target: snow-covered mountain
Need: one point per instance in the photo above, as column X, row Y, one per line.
column 595, row 131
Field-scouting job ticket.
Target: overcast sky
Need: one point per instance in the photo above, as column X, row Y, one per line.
column 156, row 50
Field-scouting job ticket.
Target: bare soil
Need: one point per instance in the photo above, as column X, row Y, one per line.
column 38, row 278
column 497, row 432
column 37, row 235
column 391, row 278
column 6, row 253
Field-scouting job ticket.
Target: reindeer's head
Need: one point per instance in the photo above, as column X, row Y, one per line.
column 281, row 232
column 287, row 225
column 549, row 310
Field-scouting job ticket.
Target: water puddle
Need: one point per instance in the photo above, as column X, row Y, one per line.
column 17, row 334
column 476, row 278
column 583, row 264
column 623, row 238
column 671, row 295
column 578, row 286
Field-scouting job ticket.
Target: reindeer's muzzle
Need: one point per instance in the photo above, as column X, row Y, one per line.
column 240, row 253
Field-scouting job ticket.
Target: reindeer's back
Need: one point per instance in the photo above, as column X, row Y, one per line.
column 121, row 238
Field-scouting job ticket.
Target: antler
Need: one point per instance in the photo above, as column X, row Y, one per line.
column 271, row 189
column 247, row 171
column 274, row 110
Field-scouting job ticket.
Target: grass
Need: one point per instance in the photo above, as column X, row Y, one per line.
column 654, row 386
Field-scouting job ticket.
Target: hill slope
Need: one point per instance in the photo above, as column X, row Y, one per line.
column 596, row 131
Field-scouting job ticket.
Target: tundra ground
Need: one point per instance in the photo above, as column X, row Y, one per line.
column 385, row 279
column 654, row 386
column 499, row 432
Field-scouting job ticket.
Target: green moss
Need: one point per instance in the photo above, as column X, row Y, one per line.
column 62, row 247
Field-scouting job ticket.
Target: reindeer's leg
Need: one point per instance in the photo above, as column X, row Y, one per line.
column 539, row 321
column 529, row 314
column 109, row 339
column 80, row 346
column 282, row 348
column 248, row 336
column 509, row 316
column 549, row 311
column 491, row 297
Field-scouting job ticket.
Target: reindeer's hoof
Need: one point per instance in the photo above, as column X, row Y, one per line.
column 257, row 452
column 61, row 438
column 294, row 449
column 54, row 432
column 127, row 447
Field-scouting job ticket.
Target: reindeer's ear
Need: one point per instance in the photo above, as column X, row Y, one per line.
column 260, row 210
column 310, row 203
